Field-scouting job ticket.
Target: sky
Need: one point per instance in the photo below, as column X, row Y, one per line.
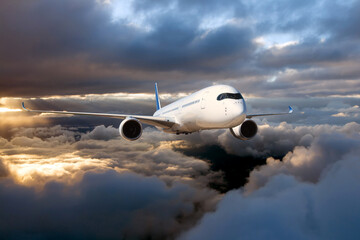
column 74, row 177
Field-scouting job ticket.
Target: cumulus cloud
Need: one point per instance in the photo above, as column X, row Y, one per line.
column 308, row 163
column 56, row 161
column 10, row 121
column 107, row 205
column 96, row 184
column 278, row 140
column 102, row 133
column 36, row 156
column 301, row 197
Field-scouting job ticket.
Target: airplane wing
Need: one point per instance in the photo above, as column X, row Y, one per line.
column 163, row 122
column 269, row 114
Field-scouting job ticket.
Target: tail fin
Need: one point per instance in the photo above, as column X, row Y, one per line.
column 158, row 104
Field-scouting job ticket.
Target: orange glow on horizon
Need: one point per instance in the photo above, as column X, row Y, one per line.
column 4, row 109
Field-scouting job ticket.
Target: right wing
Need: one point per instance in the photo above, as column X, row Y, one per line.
column 269, row 114
column 163, row 122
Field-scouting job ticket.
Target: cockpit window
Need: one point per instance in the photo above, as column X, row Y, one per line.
column 229, row 95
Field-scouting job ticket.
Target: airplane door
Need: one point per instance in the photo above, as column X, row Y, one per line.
column 203, row 100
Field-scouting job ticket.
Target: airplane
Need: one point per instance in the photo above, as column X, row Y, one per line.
column 214, row 107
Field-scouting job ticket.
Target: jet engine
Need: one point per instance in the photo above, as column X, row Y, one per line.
column 245, row 131
column 130, row 129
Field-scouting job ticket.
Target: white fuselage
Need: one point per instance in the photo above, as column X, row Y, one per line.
column 206, row 109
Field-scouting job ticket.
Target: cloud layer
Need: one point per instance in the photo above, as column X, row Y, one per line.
column 80, row 175
column 74, row 177
column 120, row 46
column 104, row 205
column 96, row 185
column 311, row 194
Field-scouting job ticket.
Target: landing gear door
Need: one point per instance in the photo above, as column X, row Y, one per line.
column 203, row 100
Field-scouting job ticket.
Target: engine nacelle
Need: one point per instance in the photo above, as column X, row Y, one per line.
column 130, row 129
column 245, row 131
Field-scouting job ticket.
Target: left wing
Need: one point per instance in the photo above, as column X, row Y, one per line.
column 269, row 114
column 163, row 122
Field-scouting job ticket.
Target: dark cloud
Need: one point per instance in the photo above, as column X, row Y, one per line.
column 341, row 26
column 308, row 163
column 313, row 61
column 63, row 183
column 283, row 16
column 197, row 7
column 173, row 183
column 233, row 169
column 74, row 177
column 77, row 48
column 211, row 7
column 176, row 44
column 74, row 50
column 278, row 140
column 303, row 55
column 4, row 171
column 238, row 159
column 324, row 48
column 108, row 205
column 279, row 202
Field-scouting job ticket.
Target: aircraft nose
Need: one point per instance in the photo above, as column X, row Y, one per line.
column 237, row 115
column 243, row 106
column 238, row 108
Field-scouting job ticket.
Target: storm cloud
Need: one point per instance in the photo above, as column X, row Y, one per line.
column 80, row 47
column 105, row 205
column 101, row 51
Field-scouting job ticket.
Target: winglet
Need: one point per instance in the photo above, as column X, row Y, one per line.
column 291, row 109
column 24, row 108
column 158, row 104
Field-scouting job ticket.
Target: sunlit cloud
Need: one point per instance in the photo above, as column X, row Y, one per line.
column 35, row 170
column 4, row 109
column 74, row 175
column 277, row 40
column 37, row 156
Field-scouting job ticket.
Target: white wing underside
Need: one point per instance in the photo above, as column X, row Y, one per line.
column 162, row 122
column 269, row 114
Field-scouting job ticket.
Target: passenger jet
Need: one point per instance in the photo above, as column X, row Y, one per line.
column 214, row 107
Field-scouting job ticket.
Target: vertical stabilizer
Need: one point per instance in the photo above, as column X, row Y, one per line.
column 158, row 104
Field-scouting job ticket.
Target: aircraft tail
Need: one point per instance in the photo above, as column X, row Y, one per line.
column 158, row 104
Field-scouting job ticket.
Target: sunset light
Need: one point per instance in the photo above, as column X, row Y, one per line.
column 3, row 109
column 179, row 119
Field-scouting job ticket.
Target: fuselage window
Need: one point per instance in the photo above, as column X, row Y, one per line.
column 229, row 95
